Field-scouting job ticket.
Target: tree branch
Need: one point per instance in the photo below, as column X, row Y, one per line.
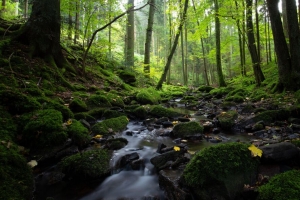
column 131, row 9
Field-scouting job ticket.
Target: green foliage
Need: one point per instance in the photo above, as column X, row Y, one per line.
column 170, row 91
column 16, row 102
column 109, row 126
column 258, row 95
column 160, row 111
column 226, row 119
column 185, row 129
column 92, row 164
column 217, row 163
column 78, row 133
column 44, row 129
column 15, row 175
column 148, row 96
column 281, row 186
column 96, row 101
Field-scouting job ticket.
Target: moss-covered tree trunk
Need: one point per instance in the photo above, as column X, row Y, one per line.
column 42, row 32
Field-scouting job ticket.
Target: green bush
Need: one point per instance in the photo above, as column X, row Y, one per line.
column 281, row 186
column 44, row 129
column 88, row 165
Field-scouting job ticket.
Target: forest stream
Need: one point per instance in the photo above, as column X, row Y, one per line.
column 125, row 183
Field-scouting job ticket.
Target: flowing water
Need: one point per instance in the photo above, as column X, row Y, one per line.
column 129, row 184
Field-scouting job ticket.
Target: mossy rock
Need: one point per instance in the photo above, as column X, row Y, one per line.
column 115, row 100
column 109, row 126
column 148, row 96
column 78, row 133
column 185, row 129
column 112, row 114
column 272, row 115
column 189, row 98
column 236, row 98
column 15, row 175
column 160, row 111
column 77, row 105
column 227, row 119
column 219, row 92
column 33, row 91
column 128, row 77
column 44, row 129
column 85, row 116
column 140, row 112
column 17, row 103
column 92, row 164
column 98, row 101
column 116, row 143
column 205, row 88
column 258, row 95
column 54, row 104
column 223, row 168
column 281, row 186
column 97, row 112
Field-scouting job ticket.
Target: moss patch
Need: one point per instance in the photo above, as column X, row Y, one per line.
column 227, row 119
column 78, row 105
column 88, row 165
column 159, row 111
column 148, row 96
column 44, row 129
column 96, row 101
column 78, row 133
column 109, row 126
column 281, row 186
column 15, row 175
column 185, row 129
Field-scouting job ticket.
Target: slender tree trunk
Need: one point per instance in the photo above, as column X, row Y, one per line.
column 109, row 31
column 26, row 9
column 218, row 45
column 77, row 21
column 259, row 77
column 186, row 55
column 148, row 39
column 284, row 19
column 266, row 39
column 257, row 29
column 240, row 35
column 170, row 44
column 3, row 5
column 130, row 37
column 70, row 21
column 182, row 59
column 167, row 66
column 17, row 7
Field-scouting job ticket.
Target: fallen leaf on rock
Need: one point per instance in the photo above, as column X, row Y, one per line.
column 255, row 151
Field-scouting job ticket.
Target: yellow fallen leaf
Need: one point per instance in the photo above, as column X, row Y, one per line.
column 176, row 148
column 255, row 151
column 98, row 136
column 69, row 122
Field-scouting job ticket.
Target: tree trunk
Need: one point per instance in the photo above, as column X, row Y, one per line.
column 167, row 66
column 129, row 56
column 240, row 35
column 257, row 30
column 3, row 4
column 284, row 19
column 148, row 39
column 218, row 45
column 70, row 21
column 294, row 35
column 42, row 33
column 281, row 47
column 259, row 77
column 77, row 21
column 26, row 9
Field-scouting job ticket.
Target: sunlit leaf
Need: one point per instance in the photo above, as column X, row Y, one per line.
column 255, row 151
column 176, row 148
column 69, row 122
column 98, row 136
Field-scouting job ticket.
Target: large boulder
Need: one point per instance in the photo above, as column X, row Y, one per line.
column 110, row 126
column 279, row 152
column 187, row 129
